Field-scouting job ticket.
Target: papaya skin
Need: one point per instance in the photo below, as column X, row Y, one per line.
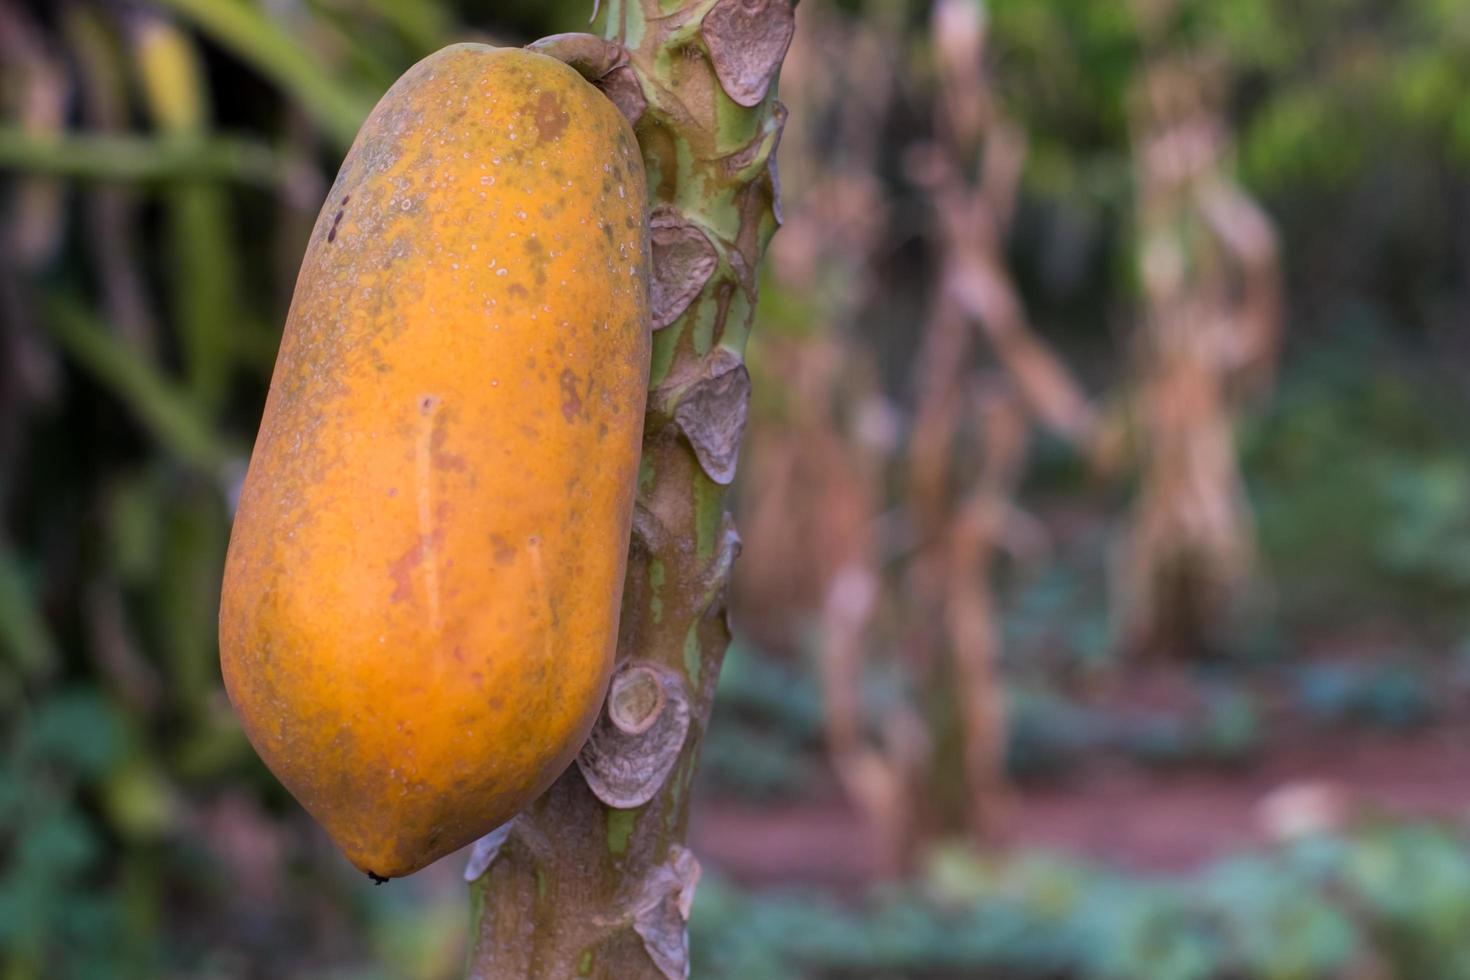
column 421, row 595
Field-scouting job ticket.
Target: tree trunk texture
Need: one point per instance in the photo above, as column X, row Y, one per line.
column 593, row 879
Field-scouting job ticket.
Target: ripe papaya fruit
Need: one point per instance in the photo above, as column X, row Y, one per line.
column 421, row 595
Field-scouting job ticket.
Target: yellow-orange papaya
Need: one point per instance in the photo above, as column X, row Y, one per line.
column 421, row 595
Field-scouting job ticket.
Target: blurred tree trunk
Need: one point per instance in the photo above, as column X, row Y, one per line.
column 1208, row 265
column 593, row 879
column 964, row 521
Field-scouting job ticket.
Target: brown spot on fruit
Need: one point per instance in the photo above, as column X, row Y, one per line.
column 437, row 436
column 504, row 551
column 551, row 118
column 571, row 399
column 401, row 570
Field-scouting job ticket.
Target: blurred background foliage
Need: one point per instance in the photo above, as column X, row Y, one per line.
column 1275, row 790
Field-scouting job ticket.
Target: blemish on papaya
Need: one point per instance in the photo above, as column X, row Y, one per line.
column 441, row 459
column 505, row 552
column 551, row 118
column 400, row 570
column 337, row 219
column 571, row 398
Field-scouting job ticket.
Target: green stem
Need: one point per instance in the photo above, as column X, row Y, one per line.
column 162, row 408
column 425, row 25
column 25, row 640
column 141, row 158
column 175, row 92
column 594, row 879
column 250, row 33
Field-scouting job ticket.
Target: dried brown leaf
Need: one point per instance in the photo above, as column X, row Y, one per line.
column 662, row 915
column 747, row 40
column 622, row 89
column 683, row 260
column 486, row 850
column 712, row 416
column 625, row 769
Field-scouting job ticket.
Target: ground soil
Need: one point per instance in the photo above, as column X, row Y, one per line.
column 1127, row 816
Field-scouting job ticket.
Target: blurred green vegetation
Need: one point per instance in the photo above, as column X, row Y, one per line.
column 162, row 163
column 1387, row 901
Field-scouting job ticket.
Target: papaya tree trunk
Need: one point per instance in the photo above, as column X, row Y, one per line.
column 594, row 878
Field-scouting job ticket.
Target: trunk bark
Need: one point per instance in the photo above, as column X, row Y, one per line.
column 593, row 879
